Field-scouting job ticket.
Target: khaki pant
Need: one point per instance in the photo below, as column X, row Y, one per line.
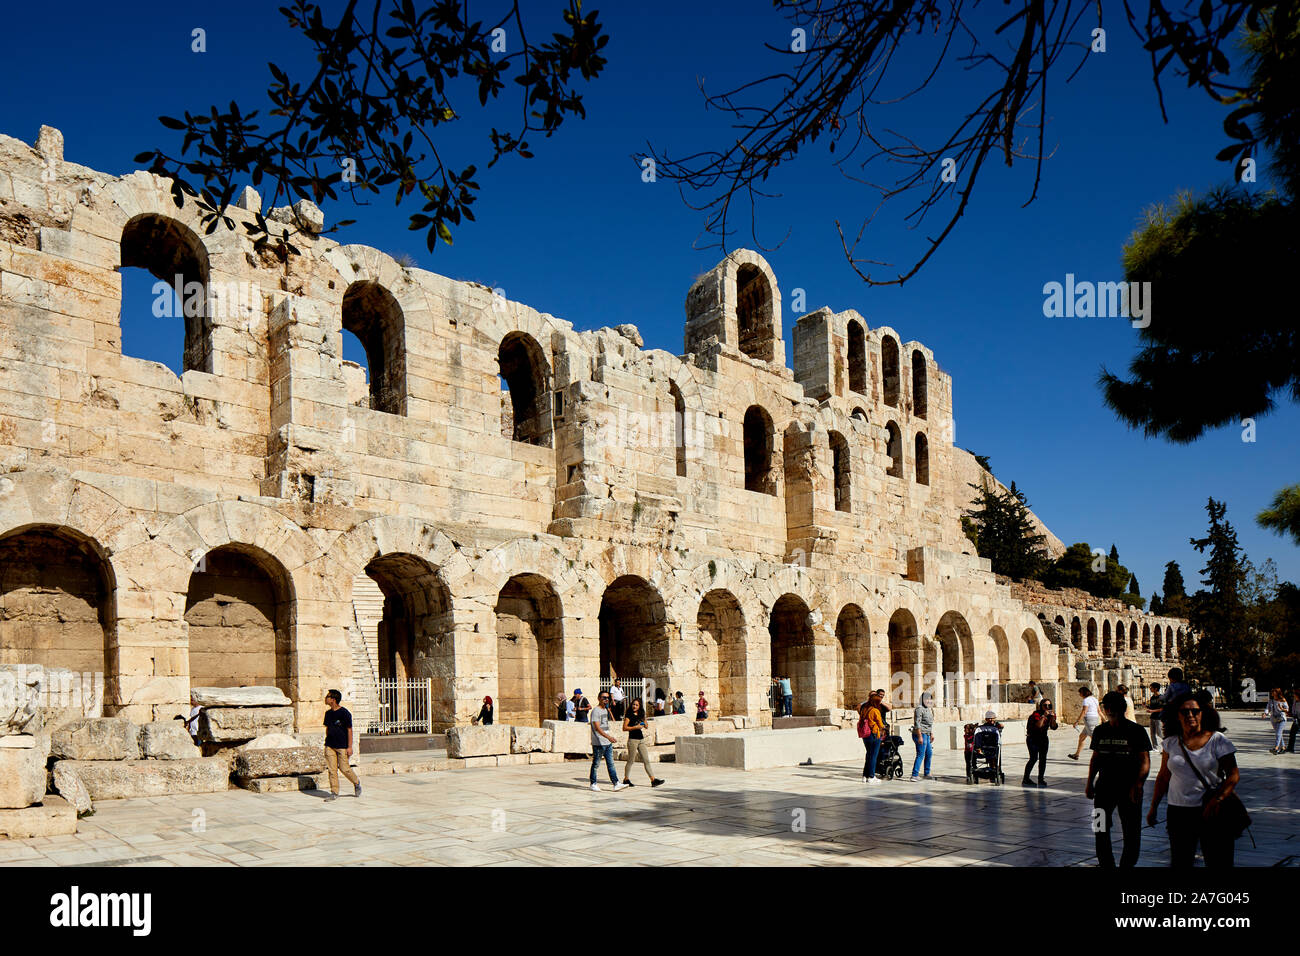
column 637, row 749
column 337, row 760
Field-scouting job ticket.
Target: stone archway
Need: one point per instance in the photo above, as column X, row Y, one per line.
column 722, row 665
column 957, row 654
column 905, row 661
column 794, row 651
column 530, row 650
column 853, row 657
column 634, row 633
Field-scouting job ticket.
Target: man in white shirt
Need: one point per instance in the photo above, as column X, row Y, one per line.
column 616, row 701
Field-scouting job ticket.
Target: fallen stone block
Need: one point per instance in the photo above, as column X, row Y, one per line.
column 478, row 741
column 668, row 729
column 545, row 758
column 96, row 738
column 714, row 727
column 274, row 742
column 764, row 749
column 71, row 788
column 525, row 740
column 22, row 687
column 472, row 762
column 116, row 780
column 250, row 764
column 22, row 777
column 282, row 784
column 511, row 760
column 224, row 724
column 239, row 697
column 167, row 740
column 571, row 737
column 54, row 817
column 18, row 741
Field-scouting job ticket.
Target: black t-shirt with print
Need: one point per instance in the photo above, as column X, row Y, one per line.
column 1119, row 752
column 337, row 724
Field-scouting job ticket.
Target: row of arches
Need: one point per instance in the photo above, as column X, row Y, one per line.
column 1163, row 643
column 889, row 370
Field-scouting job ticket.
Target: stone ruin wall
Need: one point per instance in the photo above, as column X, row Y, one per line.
column 218, row 525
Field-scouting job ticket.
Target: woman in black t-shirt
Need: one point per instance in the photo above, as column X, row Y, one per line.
column 634, row 722
column 485, row 713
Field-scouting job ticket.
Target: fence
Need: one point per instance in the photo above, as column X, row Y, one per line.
column 405, row 707
column 641, row 687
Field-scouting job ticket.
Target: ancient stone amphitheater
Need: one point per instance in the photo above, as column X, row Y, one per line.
column 506, row 506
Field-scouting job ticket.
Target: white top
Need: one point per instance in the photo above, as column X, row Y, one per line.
column 1276, row 711
column 615, row 693
column 1185, row 789
column 1131, row 708
column 1090, row 709
column 192, row 722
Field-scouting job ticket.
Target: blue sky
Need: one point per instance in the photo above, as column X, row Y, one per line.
column 576, row 232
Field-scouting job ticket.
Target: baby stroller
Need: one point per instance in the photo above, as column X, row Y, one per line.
column 985, row 755
column 889, row 764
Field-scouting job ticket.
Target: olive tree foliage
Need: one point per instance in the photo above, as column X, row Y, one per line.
column 367, row 117
column 849, row 87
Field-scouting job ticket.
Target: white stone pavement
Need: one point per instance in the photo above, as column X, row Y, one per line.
column 546, row 815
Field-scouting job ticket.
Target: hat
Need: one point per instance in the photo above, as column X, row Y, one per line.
column 577, row 690
column 990, row 715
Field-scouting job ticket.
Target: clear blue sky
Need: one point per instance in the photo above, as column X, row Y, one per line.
column 575, row 232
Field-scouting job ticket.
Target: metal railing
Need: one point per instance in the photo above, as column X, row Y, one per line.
column 641, row 687
column 405, row 706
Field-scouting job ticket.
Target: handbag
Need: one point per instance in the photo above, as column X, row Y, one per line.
column 1232, row 818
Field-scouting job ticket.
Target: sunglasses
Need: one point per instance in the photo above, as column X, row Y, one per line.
column 1190, row 712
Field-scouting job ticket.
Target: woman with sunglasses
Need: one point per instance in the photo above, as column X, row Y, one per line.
column 1195, row 755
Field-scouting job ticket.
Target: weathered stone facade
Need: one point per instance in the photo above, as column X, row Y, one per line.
column 700, row 520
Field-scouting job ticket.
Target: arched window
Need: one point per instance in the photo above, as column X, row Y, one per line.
column 857, row 358
column 754, row 313
column 679, row 428
column 174, row 256
column 860, row 414
column 922, row 459
column 894, row 448
column 372, row 314
column 920, row 390
column 759, row 474
column 889, row 369
column 525, row 377
column 843, row 470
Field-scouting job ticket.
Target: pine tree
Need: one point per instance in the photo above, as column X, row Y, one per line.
column 1175, row 601
column 1157, row 606
column 1133, row 587
column 1001, row 527
column 1223, row 651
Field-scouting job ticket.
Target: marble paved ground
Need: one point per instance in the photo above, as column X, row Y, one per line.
column 545, row 814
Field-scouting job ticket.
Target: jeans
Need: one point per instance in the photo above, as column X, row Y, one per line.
column 1037, row 755
column 607, row 751
column 872, row 743
column 1280, row 728
column 1186, row 828
column 788, row 700
column 1130, row 821
column 1156, row 735
column 924, row 748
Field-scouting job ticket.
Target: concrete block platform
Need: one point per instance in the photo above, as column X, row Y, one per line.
column 766, row 749
column 54, row 817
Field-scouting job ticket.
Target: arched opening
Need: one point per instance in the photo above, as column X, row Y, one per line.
column 525, row 380
column 57, row 610
column 889, row 369
column 793, row 651
column 754, row 313
column 1146, row 638
column 1092, row 634
column 169, row 253
column 372, row 314
column 1076, row 638
column 1169, row 643
column 860, row 414
column 1003, row 648
column 920, row 390
column 1133, row 636
column 1107, row 649
column 1035, row 657
column 679, row 429
column 238, row 608
column 722, row 667
column 414, row 635
column 957, row 655
column 894, row 448
column 1159, row 644
column 634, row 634
column 843, row 471
column 853, row 653
column 530, row 652
column 904, row 659
column 922, row 464
column 760, row 475
column 857, row 358
column 1060, row 622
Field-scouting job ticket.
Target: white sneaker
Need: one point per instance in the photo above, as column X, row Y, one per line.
column 619, row 786
column 596, row 787
column 874, row 782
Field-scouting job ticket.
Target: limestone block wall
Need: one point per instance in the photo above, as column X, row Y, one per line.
column 705, row 521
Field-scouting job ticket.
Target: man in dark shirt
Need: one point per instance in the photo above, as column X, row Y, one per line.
column 581, row 706
column 338, row 745
column 1121, row 760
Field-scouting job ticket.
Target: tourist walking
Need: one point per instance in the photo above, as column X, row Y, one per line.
column 1198, row 769
column 701, row 708
column 1090, row 716
column 338, row 745
column 1040, row 723
column 1276, row 712
column 787, row 696
column 923, row 734
column 871, row 728
column 581, row 706
column 485, row 712
column 679, row 704
column 602, row 742
column 638, row 748
column 1121, row 760
column 1156, row 704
